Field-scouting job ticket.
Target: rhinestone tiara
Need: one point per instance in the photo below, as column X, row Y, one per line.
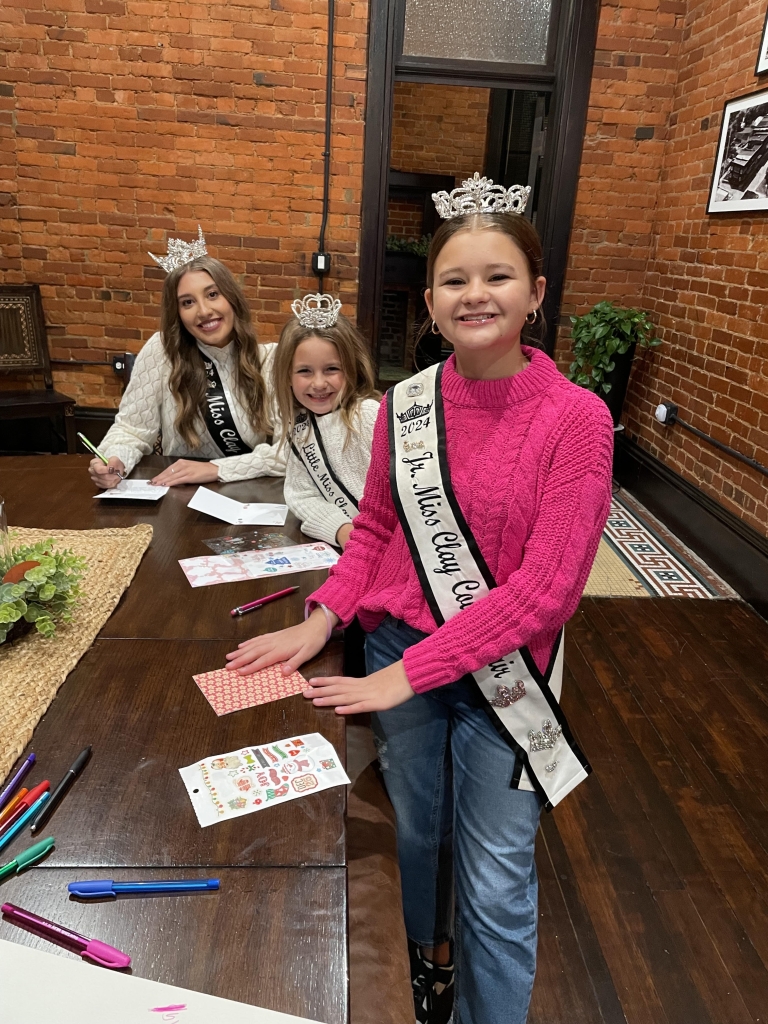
column 480, row 195
column 180, row 252
column 317, row 310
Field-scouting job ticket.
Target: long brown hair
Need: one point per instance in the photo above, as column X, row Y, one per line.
column 188, row 381
column 522, row 233
column 354, row 359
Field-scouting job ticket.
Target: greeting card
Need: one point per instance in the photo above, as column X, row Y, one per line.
column 227, row 691
column 254, row 778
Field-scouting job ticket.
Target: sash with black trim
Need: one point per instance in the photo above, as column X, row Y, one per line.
column 307, row 445
column 218, row 416
column 523, row 701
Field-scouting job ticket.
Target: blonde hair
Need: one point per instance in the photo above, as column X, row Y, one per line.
column 356, row 367
column 188, row 382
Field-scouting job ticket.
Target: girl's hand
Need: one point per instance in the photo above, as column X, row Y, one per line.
column 184, row 471
column 106, row 476
column 342, row 535
column 292, row 646
column 380, row 691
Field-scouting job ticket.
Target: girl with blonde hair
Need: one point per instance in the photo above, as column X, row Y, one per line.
column 200, row 383
column 323, row 382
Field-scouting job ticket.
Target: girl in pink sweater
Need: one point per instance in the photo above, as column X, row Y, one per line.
column 489, row 486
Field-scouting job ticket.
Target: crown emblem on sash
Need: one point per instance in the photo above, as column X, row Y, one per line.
column 180, row 252
column 504, row 696
column 414, row 413
column 317, row 310
column 480, row 195
column 546, row 739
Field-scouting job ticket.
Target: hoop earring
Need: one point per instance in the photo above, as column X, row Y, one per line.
column 434, row 325
column 533, row 313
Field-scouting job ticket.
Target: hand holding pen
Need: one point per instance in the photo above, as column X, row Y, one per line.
column 105, row 473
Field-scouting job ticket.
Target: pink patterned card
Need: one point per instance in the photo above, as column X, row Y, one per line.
column 227, row 691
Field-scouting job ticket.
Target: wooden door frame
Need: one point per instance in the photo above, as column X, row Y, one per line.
column 569, row 74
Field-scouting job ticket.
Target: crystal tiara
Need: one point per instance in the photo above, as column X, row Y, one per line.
column 317, row 310
column 180, row 252
column 480, row 195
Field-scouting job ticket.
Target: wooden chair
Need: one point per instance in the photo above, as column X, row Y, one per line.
column 24, row 347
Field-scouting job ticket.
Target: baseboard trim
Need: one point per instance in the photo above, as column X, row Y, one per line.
column 733, row 549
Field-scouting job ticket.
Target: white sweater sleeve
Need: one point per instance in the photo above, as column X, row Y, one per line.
column 319, row 518
column 137, row 424
column 265, row 459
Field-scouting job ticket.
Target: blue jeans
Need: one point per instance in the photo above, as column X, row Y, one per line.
column 460, row 825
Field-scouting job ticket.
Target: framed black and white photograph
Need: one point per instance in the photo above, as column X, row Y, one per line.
column 740, row 181
column 762, row 54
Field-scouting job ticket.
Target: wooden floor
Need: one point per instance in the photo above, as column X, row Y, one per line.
column 654, row 873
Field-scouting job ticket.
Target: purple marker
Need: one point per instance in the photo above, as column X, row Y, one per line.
column 24, row 770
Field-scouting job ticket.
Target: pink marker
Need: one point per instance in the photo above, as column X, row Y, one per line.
column 89, row 949
column 243, row 608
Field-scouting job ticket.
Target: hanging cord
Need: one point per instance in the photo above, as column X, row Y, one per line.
column 327, row 151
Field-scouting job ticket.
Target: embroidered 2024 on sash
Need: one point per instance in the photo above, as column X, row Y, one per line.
column 307, row 445
column 454, row 575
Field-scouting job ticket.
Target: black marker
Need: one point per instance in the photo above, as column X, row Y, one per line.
column 50, row 805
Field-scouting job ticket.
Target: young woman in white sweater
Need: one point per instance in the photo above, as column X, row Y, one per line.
column 323, row 382
column 201, row 384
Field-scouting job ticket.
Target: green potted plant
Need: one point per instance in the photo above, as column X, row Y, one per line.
column 38, row 588
column 604, row 343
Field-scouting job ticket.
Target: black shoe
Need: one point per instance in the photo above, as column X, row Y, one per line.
column 432, row 988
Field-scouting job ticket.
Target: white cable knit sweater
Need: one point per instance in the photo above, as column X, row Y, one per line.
column 148, row 408
column 319, row 518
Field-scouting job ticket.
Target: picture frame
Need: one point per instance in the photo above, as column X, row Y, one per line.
column 740, row 176
column 762, row 54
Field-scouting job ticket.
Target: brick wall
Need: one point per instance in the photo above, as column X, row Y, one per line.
column 642, row 235
column 439, row 129
column 405, row 219
column 123, row 121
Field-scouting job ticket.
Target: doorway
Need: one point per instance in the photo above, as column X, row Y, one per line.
column 508, row 98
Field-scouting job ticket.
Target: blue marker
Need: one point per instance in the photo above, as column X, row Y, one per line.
column 105, row 887
column 14, row 831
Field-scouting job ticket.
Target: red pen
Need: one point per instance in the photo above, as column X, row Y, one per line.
column 24, row 804
column 262, row 600
column 89, row 949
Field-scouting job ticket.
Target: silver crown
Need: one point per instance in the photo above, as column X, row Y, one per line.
column 317, row 310
column 180, row 252
column 480, row 195
column 546, row 739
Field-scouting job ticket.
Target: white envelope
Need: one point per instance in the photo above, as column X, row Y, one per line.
column 140, row 490
column 238, row 513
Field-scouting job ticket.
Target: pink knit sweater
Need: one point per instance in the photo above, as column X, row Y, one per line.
column 530, row 459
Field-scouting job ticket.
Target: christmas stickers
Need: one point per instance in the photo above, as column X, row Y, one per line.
column 229, row 785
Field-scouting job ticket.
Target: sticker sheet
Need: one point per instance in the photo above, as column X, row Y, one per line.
column 250, row 541
column 228, row 691
column 207, row 570
column 254, row 778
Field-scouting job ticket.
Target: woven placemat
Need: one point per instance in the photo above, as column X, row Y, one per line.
column 33, row 669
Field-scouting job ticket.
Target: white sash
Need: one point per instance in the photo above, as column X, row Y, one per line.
column 307, row 446
column 454, row 575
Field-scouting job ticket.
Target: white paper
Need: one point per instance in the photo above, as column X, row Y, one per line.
column 255, row 778
column 141, row 490
column 42, row 988
column 206, row 570
column 238, row 513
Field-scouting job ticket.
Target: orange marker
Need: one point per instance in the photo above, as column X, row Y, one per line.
column 8, row 811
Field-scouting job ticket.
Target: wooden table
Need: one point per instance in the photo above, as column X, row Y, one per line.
column 278, row 924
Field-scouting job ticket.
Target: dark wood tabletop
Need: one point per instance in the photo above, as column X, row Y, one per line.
column 273, row 937
column 62, row 497
column 132, row 697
